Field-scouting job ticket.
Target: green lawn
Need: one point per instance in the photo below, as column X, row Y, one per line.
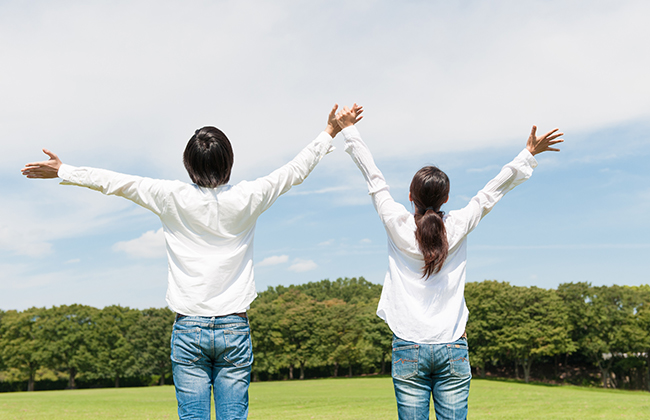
column 358, row 398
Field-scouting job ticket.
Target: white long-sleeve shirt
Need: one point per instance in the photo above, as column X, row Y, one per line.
column 428, row 310
column 208, row 231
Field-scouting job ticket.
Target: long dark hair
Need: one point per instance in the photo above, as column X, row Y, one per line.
column 208, row 157
column 429, row 191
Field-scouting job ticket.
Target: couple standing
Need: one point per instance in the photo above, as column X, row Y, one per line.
column 209, row 227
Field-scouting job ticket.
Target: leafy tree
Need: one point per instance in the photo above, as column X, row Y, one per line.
column 349, row 290
column 340, row 334
column 601, row 316
column 113, row 353
column 296, row 327
column 66, row 335
column 150, row 334
column 264, row 316
column 20, row 343
column 489, row 305
column 377, row 336
column 537, row 326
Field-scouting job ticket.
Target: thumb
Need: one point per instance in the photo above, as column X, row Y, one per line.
column 533, row 131
column 50, row 154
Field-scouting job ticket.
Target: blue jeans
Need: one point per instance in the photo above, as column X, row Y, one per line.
column 212, row 352
column 422, row 370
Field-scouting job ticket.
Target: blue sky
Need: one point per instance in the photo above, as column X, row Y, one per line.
column 123, row 85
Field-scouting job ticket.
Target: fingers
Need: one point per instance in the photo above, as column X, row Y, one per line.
column 34, row 165
column 533, row 131
column 550, row 134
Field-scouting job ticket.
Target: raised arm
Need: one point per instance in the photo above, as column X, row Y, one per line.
column 264, row 191
column 389, row 210
column 511, row 175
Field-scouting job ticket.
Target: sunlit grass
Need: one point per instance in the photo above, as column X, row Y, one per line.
column 357, row 398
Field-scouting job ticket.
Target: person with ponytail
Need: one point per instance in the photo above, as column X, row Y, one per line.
column 208, row 227
column 422, row 299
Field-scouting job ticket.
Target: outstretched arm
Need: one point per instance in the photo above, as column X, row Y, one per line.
column 46, row 169
column 511, row 175
column 391, row 213
column 267, row 189
column 145, row 192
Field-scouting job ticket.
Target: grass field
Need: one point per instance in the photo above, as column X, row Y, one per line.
column 357, row 398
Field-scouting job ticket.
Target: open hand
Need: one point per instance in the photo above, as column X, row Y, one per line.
column 349, row 116
column 46, row 169
column 536, row 145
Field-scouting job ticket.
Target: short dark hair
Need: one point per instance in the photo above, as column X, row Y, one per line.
column 208, row 157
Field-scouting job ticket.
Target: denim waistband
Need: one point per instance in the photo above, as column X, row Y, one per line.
column 211, row 321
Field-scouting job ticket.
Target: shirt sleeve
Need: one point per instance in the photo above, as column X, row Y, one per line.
column 267, row 189
column 511, row 175
column 145, row 192
column 388, row 209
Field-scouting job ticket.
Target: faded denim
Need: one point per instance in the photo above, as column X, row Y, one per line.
column 423, row 370
column 212, row 353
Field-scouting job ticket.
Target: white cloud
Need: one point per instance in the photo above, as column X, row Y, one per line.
column 321, row 191
column 365, row 241
column 273, row 260
column 37, row 213
column 326, row 243
column 490, row 168
column 150, row 245
column 300, row 266
column 437, row 76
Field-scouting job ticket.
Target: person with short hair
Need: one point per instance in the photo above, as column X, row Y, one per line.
column 422, row 299
column 209, row 228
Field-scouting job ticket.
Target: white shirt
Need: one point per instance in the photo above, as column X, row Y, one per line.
column 428, row 310
column 208, row 231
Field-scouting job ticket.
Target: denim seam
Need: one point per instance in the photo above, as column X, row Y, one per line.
column 175, row 335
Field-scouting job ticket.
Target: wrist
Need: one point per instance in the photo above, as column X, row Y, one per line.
column 331, row 130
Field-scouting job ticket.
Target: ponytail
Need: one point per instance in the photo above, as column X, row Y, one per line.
column 429, row 191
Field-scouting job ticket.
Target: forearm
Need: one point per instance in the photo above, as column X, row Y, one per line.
column 512, row 174
column 278, row 182
column 297, row 170
column 360, row 154
column 141, row 191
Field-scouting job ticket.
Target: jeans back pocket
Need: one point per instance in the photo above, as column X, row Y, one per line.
column 459, row 359
column 239, row 350
column 186, row 345
column 405, row 360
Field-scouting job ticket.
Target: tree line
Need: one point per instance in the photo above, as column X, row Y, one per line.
column 73, row 341
column 577, row 333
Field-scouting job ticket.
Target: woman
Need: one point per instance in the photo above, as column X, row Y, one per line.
column 422, row 299
column 208, row 228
